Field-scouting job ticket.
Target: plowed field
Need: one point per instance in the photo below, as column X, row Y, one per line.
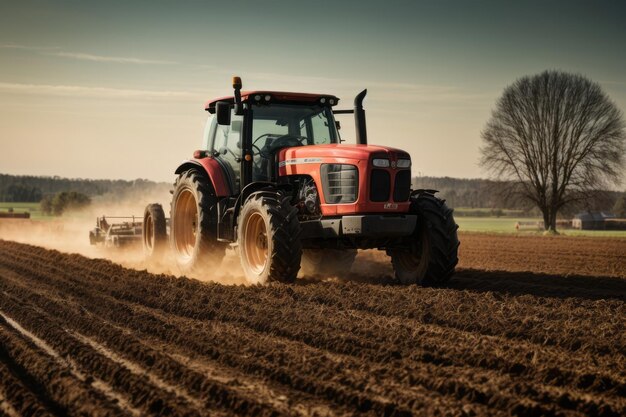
column 528, row 326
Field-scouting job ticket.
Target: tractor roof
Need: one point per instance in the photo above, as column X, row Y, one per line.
column 276, row 96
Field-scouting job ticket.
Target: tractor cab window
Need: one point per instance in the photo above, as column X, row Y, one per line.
column 261, row 126
column 277, row 126
column 209, row 132
column 227, row 149
column 233, row 141
column 320, row 129
column 221, row 137
column 310, row 124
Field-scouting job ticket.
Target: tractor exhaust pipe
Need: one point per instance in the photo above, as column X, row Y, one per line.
column 359, row 118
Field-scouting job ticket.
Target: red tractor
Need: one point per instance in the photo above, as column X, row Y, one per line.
column 273, row 179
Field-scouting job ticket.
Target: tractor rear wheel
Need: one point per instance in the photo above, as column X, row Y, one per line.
column 154, row 232
column 268, row 238
column 193, row 223
column 434, row 248
column 327, row 261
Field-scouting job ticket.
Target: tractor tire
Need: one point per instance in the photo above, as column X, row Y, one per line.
column 154, row 232
column 327, row 261
column 434, row 249
column 268, row 236
column 193, row 223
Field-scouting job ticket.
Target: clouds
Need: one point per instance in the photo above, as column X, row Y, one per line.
column 117, row 59
column 57, row 52
column 383, row 91
column 28, row 48
column 95, row 92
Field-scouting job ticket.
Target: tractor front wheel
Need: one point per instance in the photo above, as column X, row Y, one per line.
column 432, row 255
column 268, row 238
column 193, row 223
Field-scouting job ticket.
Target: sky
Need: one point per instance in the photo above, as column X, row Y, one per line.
column 115, row 89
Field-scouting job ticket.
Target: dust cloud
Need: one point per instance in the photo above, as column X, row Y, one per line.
column 70, row 233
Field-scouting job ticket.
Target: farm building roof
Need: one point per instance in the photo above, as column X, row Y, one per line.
column 594, row 216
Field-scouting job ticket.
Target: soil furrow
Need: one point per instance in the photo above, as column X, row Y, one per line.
column 59, row 388
column 350, row 396
column 483, row 394
column 227, row 349
column 16, row 399
column 215, row 392
column 140, row 391
column 453, row 309
column 491, row 343
column 407, row 339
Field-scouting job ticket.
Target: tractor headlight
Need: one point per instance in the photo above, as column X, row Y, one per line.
column 380, row 163
column 404, row 163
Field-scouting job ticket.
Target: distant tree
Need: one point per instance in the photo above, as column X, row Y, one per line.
column 46, row 205
column 619, row 209
column 64, row 201
column 558, row 136
column 69, row 200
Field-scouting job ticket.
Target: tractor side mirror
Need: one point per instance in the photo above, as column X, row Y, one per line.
column 337, row 125
column 222, row 109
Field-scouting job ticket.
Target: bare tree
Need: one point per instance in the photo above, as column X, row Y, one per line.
column 558, row 136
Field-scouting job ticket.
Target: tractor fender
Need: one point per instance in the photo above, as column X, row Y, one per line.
column 254, row 187
column 212, row 169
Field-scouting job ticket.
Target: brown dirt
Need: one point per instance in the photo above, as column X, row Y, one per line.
column 83, row 336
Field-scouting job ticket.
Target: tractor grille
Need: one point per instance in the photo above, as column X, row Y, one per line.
column 340, row 183
column 402, row 187
column 380, row 185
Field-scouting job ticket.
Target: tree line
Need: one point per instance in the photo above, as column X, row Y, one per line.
column 26, row 188
column 459, row 192
column 483, row 193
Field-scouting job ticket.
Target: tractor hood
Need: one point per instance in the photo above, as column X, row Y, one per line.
column 352, row 179
column 340, row 151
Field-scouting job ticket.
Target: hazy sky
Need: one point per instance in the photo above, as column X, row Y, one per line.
column 115, row 89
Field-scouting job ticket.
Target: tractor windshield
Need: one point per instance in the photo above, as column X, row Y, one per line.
column 308, row 124
column 277, row 126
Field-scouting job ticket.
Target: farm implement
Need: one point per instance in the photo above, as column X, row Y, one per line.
column 122, row 231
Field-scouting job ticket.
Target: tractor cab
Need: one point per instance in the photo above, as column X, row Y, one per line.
column 264, row 123
column 277, row 121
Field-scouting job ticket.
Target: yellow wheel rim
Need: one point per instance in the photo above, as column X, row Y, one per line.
column 255, row 243
column 148, row 233
column 185, row 224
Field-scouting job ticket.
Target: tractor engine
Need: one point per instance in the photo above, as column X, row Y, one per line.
column 307, row 199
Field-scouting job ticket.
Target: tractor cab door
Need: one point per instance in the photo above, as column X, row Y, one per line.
column 264, row 132
column 227, row 150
